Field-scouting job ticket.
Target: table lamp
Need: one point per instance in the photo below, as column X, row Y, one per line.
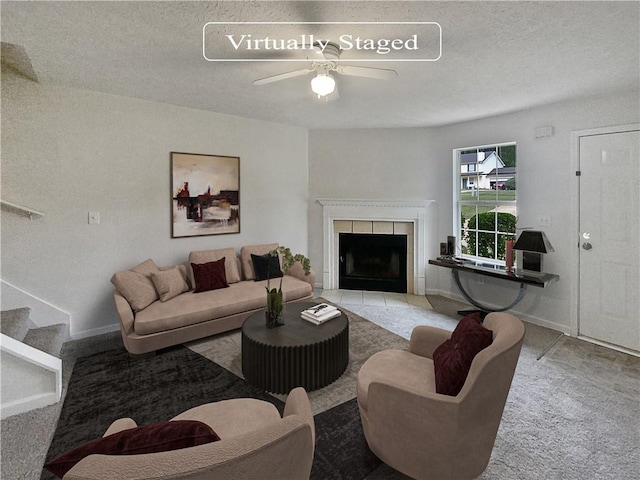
column 532, row 244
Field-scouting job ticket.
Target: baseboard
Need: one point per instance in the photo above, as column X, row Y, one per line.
column 27, row 404
column 541, row 322
column 609, row 345
column 95, row 331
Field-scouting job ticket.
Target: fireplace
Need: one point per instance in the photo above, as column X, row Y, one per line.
column 373, row 262
column 408, row 219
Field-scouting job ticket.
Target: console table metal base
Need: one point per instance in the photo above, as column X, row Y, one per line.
column 484, row 308
column 524, row 278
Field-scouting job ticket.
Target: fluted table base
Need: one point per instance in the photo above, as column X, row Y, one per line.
column 297, row 354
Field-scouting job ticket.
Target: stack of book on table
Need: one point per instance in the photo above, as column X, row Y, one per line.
column 320, row 313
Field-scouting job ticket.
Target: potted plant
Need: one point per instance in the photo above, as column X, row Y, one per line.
column 275, row 300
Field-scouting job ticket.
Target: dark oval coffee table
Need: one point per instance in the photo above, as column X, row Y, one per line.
column 296, row 354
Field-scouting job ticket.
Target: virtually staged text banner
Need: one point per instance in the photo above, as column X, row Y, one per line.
column 284, row 42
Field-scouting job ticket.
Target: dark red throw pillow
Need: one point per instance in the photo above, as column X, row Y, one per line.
column 157, row 437
column 452, row 359
column 209, row 276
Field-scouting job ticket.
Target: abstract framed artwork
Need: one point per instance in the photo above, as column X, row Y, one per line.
column 205, row 194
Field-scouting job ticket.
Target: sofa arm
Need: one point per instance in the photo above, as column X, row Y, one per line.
column 120, row 425
column 277, row 450
column 425, row 339
column 125, row 313
column 298, row 404
column 297, row 271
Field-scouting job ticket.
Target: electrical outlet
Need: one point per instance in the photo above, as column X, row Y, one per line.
column 94, row 218
column 544, row 220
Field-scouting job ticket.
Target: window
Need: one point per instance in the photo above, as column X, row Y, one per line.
column 485, row 207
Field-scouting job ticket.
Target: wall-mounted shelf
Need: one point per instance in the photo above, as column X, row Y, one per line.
column 20, row 210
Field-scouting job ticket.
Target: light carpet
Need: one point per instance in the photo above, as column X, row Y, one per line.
column 573, row 414
column 365, row 338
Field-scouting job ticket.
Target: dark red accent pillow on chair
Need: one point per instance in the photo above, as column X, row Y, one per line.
column 157, row 437
column 209, row 276
column 452, row 359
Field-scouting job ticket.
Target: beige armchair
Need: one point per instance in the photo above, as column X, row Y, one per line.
column 424, row 434
column 255, row 443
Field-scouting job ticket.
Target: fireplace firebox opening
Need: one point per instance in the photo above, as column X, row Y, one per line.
column 373, row 262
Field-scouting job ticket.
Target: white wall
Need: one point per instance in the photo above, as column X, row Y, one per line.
column 66, row 152
column 417, row 163
column 369, row 164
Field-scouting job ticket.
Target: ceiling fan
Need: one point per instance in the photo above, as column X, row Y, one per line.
column 323, row 84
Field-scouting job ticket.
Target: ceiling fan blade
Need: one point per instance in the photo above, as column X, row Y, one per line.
column 283, row 76
column 369, row 72
column 16, row 58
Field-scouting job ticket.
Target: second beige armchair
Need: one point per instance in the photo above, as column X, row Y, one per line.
column 255, row 443
column 427, row 435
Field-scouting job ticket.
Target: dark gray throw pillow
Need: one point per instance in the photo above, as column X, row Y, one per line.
column 266, row 266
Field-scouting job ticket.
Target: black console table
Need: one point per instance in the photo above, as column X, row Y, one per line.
column 523, row 277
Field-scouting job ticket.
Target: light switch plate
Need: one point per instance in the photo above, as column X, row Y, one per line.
column 94, row 218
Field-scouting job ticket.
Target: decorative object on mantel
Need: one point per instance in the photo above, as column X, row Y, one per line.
column 275, row 300
column 205, row 194
column 533, row 243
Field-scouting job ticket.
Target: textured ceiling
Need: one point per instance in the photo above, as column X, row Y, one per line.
column 497, row 57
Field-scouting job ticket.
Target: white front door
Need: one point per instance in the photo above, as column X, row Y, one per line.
column 609, row 229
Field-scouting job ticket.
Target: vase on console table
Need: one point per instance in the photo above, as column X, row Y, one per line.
column 509, row 255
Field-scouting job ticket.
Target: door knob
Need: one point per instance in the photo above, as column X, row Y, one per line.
column 587, row 246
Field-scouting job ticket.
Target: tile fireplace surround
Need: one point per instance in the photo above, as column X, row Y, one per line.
column 400, row 217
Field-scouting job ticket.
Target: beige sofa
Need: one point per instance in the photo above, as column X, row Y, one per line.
column 158, row 308
column 255, row 443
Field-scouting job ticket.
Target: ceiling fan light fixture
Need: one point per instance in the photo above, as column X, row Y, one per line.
column 323, row 84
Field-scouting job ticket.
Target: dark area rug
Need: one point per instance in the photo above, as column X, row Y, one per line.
column 341, row 449
column 111, row 385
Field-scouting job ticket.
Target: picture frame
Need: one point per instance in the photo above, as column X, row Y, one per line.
column 205, row 194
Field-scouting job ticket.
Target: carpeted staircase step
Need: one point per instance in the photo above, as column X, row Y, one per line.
column 16, row 323
column 49, row 339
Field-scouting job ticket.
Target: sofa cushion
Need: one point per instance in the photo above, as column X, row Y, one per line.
column 136, row 285
column 185, row 271
column 191, row 308
column 209, row 276
column 169, row 283
column 452, row 359
column 158, row 437
column 245, row 257
column 230, row 262
column 266, row 266
column 234, row 417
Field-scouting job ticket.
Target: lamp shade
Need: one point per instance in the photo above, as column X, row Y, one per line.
column 323, row 84
column 533, row 241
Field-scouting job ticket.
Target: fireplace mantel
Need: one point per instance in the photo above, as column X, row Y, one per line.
column 415, row 211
